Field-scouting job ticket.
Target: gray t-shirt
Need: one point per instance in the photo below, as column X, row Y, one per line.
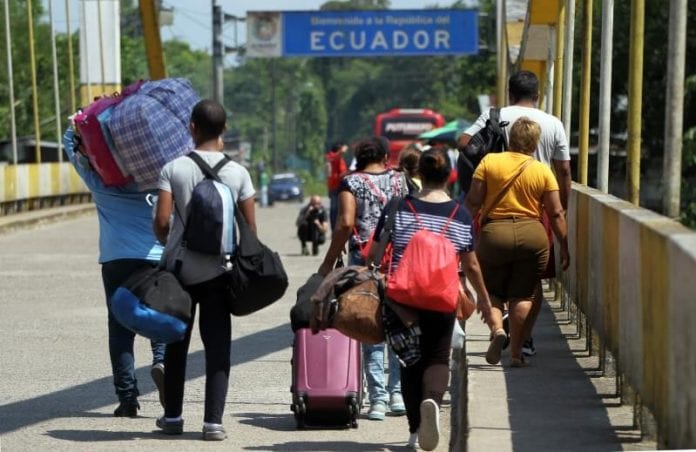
column 179, row 177
column 553, row 143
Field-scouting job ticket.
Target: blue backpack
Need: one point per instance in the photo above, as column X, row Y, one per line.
column 209, row 224
column 152, row 303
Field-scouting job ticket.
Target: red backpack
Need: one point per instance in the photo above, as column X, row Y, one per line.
column 428, row 274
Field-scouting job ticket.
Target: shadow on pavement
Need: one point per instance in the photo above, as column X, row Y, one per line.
column 321, row 446
column 552, row 404
column 91, row 436
column 80, row 400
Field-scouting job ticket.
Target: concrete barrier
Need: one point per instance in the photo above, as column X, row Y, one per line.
column 633, row 274
column 25, row 182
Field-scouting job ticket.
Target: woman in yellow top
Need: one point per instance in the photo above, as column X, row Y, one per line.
column 511, row 190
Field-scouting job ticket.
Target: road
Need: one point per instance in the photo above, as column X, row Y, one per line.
column 56, row 391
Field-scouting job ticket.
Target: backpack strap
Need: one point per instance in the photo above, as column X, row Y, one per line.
column 208, row 172
column 380, row 245
column 449, row 219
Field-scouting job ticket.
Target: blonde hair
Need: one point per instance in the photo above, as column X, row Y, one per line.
column 524, row 135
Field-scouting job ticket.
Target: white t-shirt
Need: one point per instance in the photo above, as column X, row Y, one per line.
column 553, row 143
column 179, row 177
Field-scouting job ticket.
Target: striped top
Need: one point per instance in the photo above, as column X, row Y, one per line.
column 433, row 216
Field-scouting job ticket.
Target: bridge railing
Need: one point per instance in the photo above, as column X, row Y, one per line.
column 633, row 276
column 38, row 185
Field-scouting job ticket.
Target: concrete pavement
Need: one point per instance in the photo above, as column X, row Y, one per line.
column 55, row 379
column 55, row 386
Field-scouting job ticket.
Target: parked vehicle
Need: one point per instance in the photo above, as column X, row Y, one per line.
column 285, row 187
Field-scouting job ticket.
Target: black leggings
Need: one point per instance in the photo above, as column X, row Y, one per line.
column 429, row 377
column 216, row 331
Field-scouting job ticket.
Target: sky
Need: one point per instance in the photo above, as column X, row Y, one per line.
column 192, row 18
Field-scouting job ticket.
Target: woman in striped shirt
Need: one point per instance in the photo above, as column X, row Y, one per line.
column 424, row 383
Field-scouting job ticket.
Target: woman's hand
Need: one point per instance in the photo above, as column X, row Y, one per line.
column 483, row 307
column 565, row 256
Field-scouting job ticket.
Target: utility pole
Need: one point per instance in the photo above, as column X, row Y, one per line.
column 605, row 69
column 218, row 54
column 220, row 50
column 635, row 99
column 501, row 38
column 674, row 107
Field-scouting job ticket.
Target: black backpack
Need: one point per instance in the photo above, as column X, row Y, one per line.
column 209, row 224
column 490, row 138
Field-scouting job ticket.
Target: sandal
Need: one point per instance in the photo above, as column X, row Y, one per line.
column 496, row 347
column 518, row 362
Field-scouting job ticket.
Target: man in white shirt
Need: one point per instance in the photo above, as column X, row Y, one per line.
column 523, row 93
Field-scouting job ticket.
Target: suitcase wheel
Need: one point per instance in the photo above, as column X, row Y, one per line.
column 354, row 412
column 300, row 409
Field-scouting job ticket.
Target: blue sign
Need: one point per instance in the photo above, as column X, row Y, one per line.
column 363, row 33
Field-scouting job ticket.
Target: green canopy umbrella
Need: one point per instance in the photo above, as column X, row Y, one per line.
column 447, row 133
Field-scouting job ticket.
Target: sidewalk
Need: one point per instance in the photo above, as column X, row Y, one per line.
column 559, row 402
column 31, row 218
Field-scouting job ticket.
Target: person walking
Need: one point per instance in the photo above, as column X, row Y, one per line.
column 511, row 191
column 362, row 196
column 408, row 164
column 201, row 274
column 126, row 245
column 425, row 382
column 552, row 150
column 336, row 168
column 312, row 225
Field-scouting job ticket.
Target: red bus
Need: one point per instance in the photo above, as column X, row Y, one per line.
column 403, row 125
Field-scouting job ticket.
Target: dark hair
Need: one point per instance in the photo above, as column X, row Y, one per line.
column 523, row 85
column 209, row 117
column 370, row 150
column 336, row 146
column 434, row 166
column 408, row 159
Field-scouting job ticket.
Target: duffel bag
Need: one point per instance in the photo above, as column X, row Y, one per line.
column 151, row 128
column 96, row 144
column 349, row 299
column 257, row 277
column 357, row 312
column 152, row 303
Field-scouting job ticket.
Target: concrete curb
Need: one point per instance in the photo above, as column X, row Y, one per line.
column 25, row 220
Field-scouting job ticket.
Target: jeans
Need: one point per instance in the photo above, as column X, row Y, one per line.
column 215, row 327
column 121, row 339
column 373, row 362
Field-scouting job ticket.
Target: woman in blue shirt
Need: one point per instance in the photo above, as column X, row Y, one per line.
column 126, row 244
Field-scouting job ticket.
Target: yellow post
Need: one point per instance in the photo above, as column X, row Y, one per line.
column 34, row 89
column 635, row 100
column 153, row 41
column 71, row 64
column 558, row 65
column 584, row 136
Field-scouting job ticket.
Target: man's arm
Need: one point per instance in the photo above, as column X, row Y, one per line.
column 563, row 176
column 248, row 209
column 160, row 225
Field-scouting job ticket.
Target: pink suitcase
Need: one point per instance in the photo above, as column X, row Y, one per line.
column 100, row 155
column 326, row 379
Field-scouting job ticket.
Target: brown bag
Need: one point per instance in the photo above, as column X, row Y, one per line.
column 359, row 313
column 465, row 304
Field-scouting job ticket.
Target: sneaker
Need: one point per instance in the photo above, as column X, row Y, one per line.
column 496, row 347
column 377, row 411
column 429, row 430
column 213, row 432
column 170, row 427
column 528, row 347
column 396, row 404
column 413, row 441
column 157, row 374
column 127, row 409
column 305, row 251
